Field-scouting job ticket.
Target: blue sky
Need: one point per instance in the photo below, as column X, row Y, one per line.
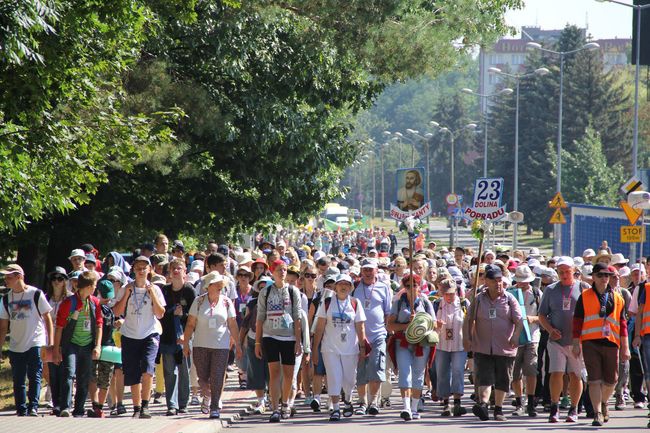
column 605, row 20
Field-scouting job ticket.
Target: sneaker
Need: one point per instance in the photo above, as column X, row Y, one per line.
column 32, row 412
column 230, row 368
column 564, row 402
column 531, row 411
column 446, row 411
column 121, row 410
column 156, row 397
column 315, row 405
column 335, row 415
column 598, row 420
column 95, row 413
column 182, row 410
column 348, row 410
column 385, row 402
column 373, row 409
column 555, row 414
column 136, row 414
column 499, row 416
column 481, row 411
column 144, row 413
column 415, row 415
column 284, row 411
column 195, row 401
column 171, row 412
column 620, row 402
column 56, row 411
column 459, row 410
column 275, row 416
column 260, row 408
column 65, row 413
column 638, row 405
column 361, row 410
column 406, row 415
column 519, row 411
column 572, row 416
column 214, row 414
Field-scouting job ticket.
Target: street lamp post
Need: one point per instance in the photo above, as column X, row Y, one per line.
column 452, row 137
column 557, row 232
column 502, row 92
column 517, row 78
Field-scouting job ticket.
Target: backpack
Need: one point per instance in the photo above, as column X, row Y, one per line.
column 36, row 299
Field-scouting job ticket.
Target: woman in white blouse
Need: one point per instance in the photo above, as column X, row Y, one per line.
column 450, row 357
column 213, row 323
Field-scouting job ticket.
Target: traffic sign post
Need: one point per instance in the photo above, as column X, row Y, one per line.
column 632, row 234
column 557, row 203
column 488, row 194
column 557, row 217
column 632, row 214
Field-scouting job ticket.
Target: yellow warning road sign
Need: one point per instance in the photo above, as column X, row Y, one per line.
column 557, row 218
column 557, row 202
column 632, row 214
column 632, row 234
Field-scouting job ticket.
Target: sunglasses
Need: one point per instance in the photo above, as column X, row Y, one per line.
column 602, row 275
column 243, row 275
column 58, row 279
column 310, row 276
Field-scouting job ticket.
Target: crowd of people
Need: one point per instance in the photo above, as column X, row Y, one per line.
column 333, row 320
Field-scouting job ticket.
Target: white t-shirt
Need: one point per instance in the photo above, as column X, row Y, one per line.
column 27, row 325
column 211, row 329
column 139, row 320
column 340, row 335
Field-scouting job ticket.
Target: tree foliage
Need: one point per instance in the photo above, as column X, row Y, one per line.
column 61, row 119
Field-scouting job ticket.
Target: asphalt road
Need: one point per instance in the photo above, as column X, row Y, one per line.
column 389, row 422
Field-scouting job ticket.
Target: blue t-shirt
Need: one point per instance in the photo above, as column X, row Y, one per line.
column 375, row 299
column 552, row 307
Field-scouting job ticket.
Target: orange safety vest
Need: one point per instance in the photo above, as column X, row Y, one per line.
column 645, row 314
column 592, row 326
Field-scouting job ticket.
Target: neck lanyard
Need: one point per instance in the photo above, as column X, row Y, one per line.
column 138, row 305
column 345, row 306
column 568, row 294
column 368, row 296
column 603, row 308
column 22, row 295
column 213, row 305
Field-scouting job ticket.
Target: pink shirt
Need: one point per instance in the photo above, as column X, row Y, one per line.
column 494, row 324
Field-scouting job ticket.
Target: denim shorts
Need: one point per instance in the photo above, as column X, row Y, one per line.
column 373, row 368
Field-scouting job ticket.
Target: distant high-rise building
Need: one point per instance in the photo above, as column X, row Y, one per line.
column 509, row 55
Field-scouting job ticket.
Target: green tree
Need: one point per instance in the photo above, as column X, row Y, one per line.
column 61, row 120
column 589, row 177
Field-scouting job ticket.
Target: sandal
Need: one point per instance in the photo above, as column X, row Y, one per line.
column 348, row 410
column 205, row 405
column 242, row 381
column 335, row 415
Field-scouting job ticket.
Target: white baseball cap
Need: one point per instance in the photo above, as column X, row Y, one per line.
column 565, row 261
column 77, row 253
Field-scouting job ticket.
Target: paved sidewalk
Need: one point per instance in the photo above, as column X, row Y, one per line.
column 236, row 403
